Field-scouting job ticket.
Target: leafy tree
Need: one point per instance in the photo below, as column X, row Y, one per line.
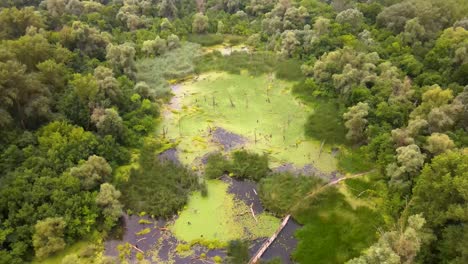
column 168, row 8
column 438, row 143
column 87, row 39
column 173, row 42
column 157, row 46
column 396, row 246
column 48, row 236
column 200, row 23
column 409, row 161
column 108, row 199
column 23, row 97
column 122, row 58
column 356, row 121
column 108, row 86
column 14, row 22
column 353, row 17
column 321, row 26
column 92, row 172
column 289, row 43
column 440, row 194
column 108, row 122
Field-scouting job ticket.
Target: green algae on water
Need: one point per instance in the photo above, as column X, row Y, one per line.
column 220, row 217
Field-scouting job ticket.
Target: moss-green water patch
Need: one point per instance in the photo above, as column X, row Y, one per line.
column 220, row 217
column 261, row 109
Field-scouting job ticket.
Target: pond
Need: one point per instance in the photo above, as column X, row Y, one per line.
column 221, row 216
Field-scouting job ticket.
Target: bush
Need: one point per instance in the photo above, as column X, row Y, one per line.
column 156, row 187
column 246, row 165
column 216, row 166
column 238, row 252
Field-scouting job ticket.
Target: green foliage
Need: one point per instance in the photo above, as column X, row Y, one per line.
column 170, row 185
column 326, row 122
column 237, row 252
column 174, row 64
column 439, row 195
column 282, row 191
column 218, row 259
column 354, row 161
column 216, row 166
column 48, row 236
column 246, row 165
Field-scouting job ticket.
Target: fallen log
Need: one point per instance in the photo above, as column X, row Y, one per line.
column 137, row 249
column 267, row 243
column 253, row 213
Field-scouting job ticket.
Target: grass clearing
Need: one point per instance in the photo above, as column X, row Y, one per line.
column 260, row 108
column 220, row 217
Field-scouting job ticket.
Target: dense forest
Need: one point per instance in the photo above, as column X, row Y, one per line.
column 83, row 83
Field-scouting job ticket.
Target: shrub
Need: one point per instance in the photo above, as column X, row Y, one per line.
column 216, row 166
column 156, row 187
column 246, row 165
column 238, row 252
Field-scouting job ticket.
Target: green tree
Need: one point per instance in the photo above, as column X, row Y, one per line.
column 108, row 200
column 289, row 43
column 409, row 161
column 122, row 58
column 356, row 122
column 396, row 246
column 440, row 194
column 108, row 122
column 14, row 22
column 353, row 17
column 438, row 143
column 200, row 23
column 48, row 236
column 92, row 172
column 173, row 42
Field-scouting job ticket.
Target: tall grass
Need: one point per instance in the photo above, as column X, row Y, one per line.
column 206, row 39
column 174, row 64
column 255, row 63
